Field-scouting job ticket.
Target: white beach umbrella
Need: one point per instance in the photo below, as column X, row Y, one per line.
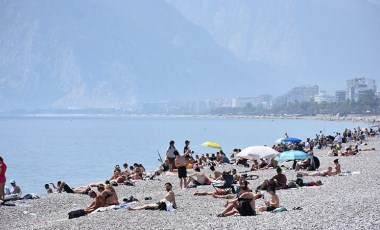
column 257, row 152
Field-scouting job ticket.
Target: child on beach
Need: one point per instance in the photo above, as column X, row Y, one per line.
column 273, row 203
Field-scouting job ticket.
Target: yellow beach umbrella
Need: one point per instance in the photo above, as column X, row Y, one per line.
column 212, row 144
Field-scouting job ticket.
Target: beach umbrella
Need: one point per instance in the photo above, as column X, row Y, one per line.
column 212, row 144
column 291, row 139
column 292, row 155
column 257, row 152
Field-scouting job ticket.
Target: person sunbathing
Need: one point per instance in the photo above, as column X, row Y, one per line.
column 167, row 203
column 273, row 203
column 97, row 203
column 244, row 204
column 326, row 172
column 272, row 164
column 215, row 174
column 337, row 167
column 200, row 178
column 278, row 181
column 109, row 194
column 63, row 187
column 118, row 176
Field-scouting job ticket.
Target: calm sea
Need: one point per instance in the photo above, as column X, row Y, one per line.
column 84, row 150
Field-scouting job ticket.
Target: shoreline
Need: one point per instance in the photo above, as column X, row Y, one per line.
column 342, row 202
column 370, row 119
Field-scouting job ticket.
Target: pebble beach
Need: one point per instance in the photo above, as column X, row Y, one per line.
column 348, row 201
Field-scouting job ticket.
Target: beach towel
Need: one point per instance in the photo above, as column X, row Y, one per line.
column 280, row 209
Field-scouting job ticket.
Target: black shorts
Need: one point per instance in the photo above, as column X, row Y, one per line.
column 171, row 160
column 182, row 173
column 270, row 208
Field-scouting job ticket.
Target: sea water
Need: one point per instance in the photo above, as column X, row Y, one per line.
column 82, row 150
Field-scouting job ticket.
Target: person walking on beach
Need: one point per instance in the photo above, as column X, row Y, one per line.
column 181, row 162
column 166, row 204
column 170, row 155
column 3, row 179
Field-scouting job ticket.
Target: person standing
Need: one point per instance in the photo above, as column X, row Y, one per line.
column 181, row 163
column 186, row 149
column 170, row 155
column 3, row 179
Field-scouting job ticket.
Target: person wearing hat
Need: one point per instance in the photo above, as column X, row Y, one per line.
column 15, row 189
column 98, row 202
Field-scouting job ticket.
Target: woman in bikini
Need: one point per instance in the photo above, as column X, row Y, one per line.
column 244, row 204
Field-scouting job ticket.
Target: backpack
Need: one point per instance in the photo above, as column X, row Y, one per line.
column 77, row 213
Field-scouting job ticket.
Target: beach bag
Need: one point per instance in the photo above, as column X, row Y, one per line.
column 316, row 162
column 77, row 213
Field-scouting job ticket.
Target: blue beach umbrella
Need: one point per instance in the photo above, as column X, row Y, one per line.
column 292, row 155
column 291, row 139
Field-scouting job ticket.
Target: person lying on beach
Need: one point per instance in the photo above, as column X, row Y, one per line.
column 262, row 163
column 200, row 178
column 48, row 189
column 244, row 204
column 215, row 174
column 166, row 204
column 63, row 187
column 97, row 203
column 273, row 203
column 326, row 172
column 278, row 181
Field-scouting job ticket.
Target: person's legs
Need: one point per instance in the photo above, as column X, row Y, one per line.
column 2, row 192
column 298, row 167
column 146, row 206
column 262, row 209
column 264, row 185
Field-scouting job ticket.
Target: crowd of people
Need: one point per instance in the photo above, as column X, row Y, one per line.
column 229, row 185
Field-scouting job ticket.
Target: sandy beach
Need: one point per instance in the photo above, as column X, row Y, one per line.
column 342, row 202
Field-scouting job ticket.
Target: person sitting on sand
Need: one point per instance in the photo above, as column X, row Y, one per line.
column 337, row 167
column 244, row 204
column 235, row 175
column 97, row 203
column 262, row 163
column 200, row 178
column 48, row 189
column 109, row 194
column 303, row 164
column 126, row 171
column 272, row 164
column 326, row 172
column 255, row 165
column 118, row 176
column 278, row 181
column 273, row 203
column 15, row 189
column 166, row 204
column 215, row 174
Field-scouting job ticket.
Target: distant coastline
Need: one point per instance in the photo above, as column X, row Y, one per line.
column 370, row 119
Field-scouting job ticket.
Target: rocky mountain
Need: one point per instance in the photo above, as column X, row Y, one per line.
column 89, row 54
column 320, row 42
column 96, row 54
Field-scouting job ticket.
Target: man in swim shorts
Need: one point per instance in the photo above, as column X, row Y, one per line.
column 180, row 162
column 166, row 204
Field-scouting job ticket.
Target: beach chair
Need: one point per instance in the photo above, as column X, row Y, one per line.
column 228, row 183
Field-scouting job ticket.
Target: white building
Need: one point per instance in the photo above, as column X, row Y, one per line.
column 357, row 86
column 323, row 97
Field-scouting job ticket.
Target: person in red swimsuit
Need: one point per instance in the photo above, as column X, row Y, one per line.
column 3, row 179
